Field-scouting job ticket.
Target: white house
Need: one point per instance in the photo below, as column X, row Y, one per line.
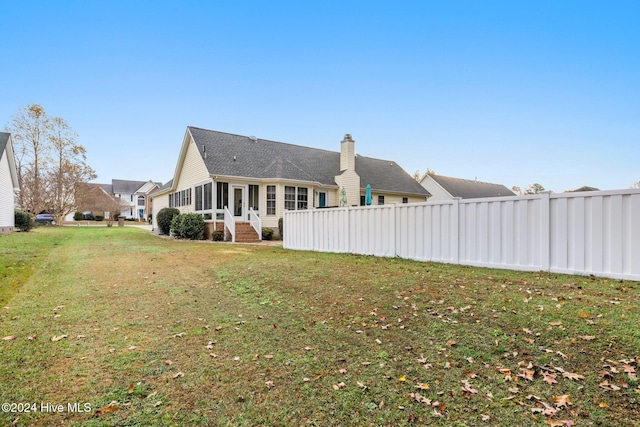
column 8, row 184
column 258, row 179
column 134, row 196
column 448, row 188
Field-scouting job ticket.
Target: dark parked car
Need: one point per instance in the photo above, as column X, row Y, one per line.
column 44, row 218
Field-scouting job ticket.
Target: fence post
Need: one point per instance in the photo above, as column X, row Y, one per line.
column 455, row 231
column 394, row 231
column 545, row 231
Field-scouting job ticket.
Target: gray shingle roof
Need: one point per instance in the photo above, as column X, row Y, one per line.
column 123, row 186
column 585, row 188
column 236, row 155
column 106, row 187
column 167, row 185
column 468, row 189
column 4, row 138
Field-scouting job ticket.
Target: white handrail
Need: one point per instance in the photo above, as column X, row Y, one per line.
column 229, row 224
column 255, row 222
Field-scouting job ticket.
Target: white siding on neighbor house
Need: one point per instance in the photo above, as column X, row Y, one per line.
column 437, row 192
column 350, row 180
column 574, row 233
column 7, row 197
column 159, row 202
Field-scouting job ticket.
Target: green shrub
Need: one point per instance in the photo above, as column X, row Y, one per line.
column 77, row 216
column 267, row 233
column 89, row 217
column 218, row 235
column 176, row 226
column 23, row 220
column 99, row 218
column 188, row 226
column 280, row 227
column 192, row 226
column 165, row 216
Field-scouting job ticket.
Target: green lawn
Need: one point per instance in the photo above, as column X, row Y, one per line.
column 133, row 329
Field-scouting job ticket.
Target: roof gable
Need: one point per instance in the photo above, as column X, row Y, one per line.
column 468, row 189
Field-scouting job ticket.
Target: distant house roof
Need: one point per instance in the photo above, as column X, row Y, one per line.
column 242, row 156
column 108, row 188
column 123, row 186
column 585, row 188
column 163, row 187
column 470, row 189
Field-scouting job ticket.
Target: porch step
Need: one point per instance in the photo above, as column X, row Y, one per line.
column 245, row 233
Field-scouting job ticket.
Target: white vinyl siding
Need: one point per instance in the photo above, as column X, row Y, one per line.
column 7, row 197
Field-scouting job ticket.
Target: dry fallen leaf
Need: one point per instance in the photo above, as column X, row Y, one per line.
column 9, row 338
column 587, row 337
column 562, row 401
column 467, row 388
column 549, row 378
column 606, row 385
column 58, row 338
column 106, row 409
column 422, row 386
column 130, row 389
column 527, row 374
column 269, row 384
column 178, row 375
column 572, row 376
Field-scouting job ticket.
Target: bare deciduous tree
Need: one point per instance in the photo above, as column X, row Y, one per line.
column 419, row 177
column 50, row 163
column 68, row 171
column 528, row 190
column 29, row 130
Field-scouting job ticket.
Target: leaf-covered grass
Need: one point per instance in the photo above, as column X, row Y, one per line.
column 150, row 331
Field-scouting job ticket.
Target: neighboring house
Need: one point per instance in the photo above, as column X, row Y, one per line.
column 133, row 196
column 448, row 188
column 8, row 184
column 217, row 170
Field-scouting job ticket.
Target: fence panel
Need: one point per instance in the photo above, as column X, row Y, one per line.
column 576, row 233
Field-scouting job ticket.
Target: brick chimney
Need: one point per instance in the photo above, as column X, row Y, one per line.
column 347, row 154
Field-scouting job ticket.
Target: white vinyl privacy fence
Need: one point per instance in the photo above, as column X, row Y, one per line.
column 576, row 233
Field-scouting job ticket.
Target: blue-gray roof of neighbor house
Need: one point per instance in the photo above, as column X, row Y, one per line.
column 4, row 138
column 235, row 155
column 468, row 189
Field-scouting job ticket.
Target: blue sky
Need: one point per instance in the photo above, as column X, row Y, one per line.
column 502, row 91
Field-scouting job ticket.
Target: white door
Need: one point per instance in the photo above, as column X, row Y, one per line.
column 238, row 203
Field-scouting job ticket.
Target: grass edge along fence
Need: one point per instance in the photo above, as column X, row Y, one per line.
column 582, row 233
